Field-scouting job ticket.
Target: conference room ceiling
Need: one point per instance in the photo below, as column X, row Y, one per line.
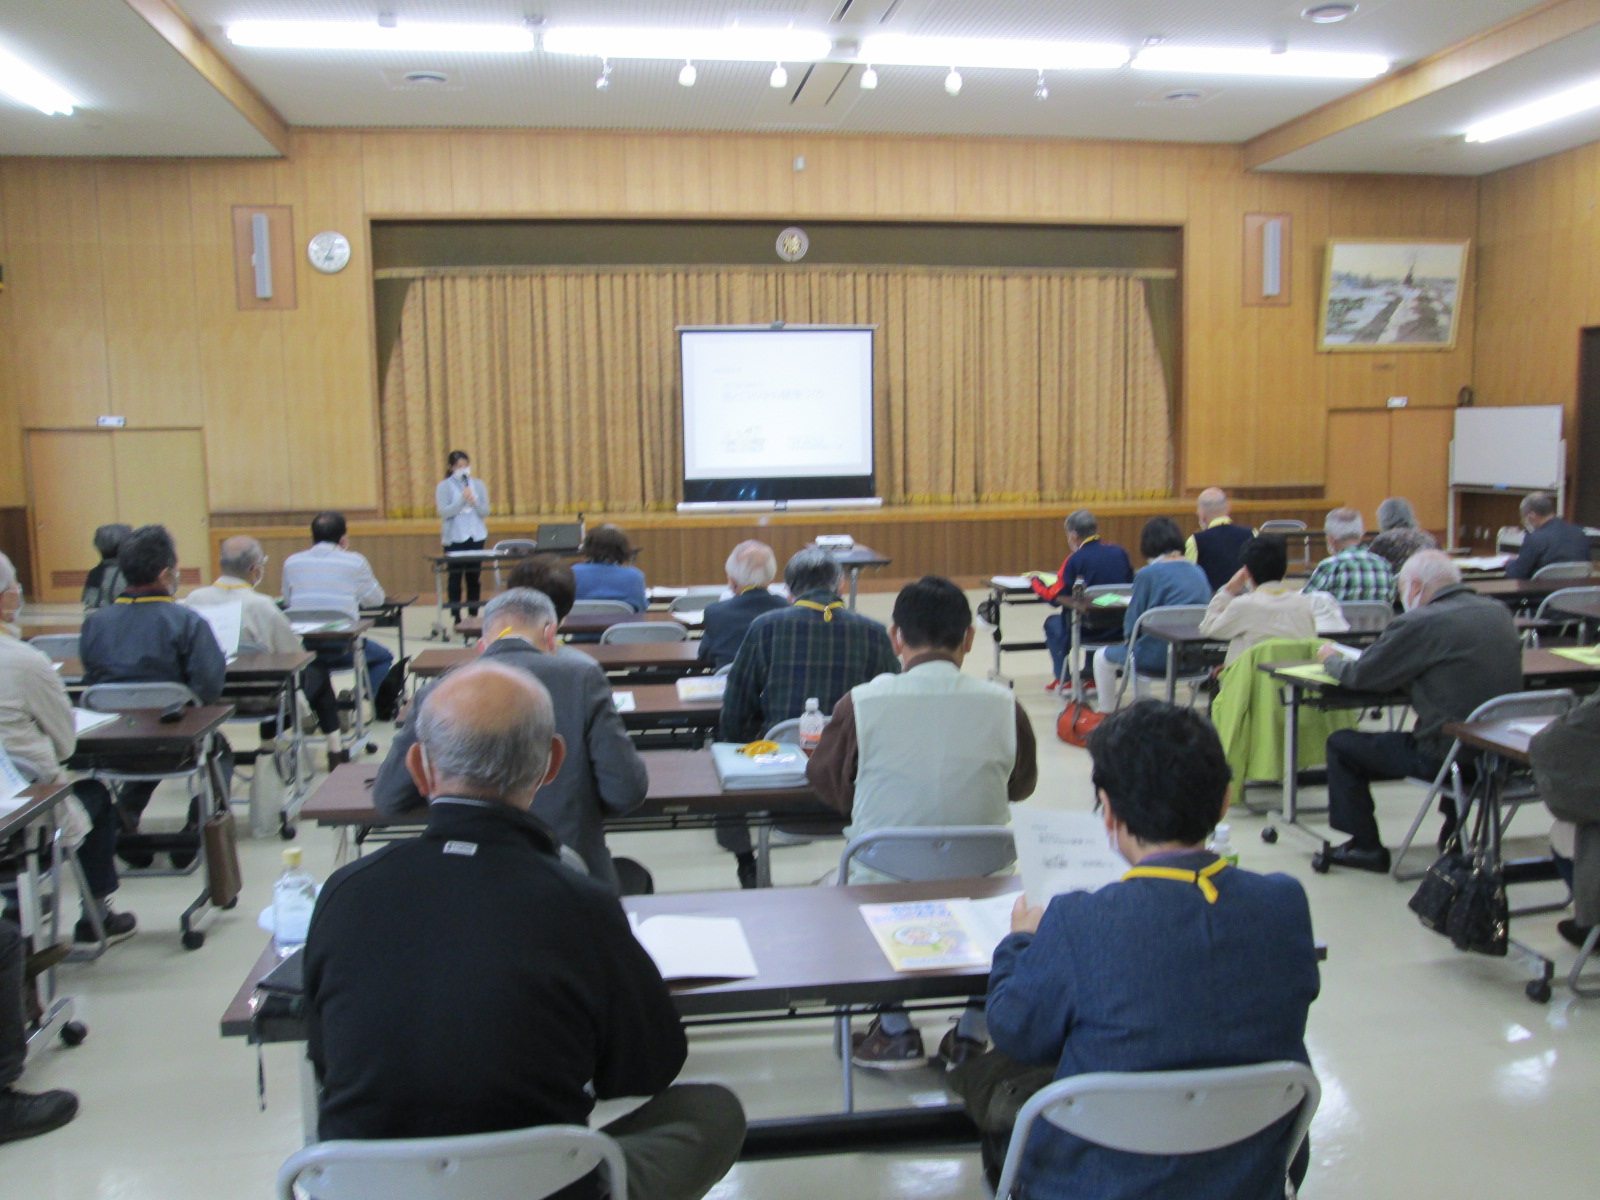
column 140, row 97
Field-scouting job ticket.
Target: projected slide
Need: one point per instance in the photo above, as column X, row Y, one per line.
column 777, row 414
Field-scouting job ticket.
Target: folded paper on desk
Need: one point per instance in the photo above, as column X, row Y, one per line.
column 701, row 687
column 1310, row 672
column 12, row 784
column 1111, row 600
column 737, row 771
column 623, row 701
column 1484, row 562
column 1063, row 852
column 696, row 947
column 668, row 593
column 1343, row 651
column 934, row 935
column 1588, row 655
column 691, row 619
column 1009, row 581
column 1529, row 727
column 305, row 627
column 83, row 720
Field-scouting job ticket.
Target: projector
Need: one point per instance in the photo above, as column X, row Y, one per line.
column 835, row 541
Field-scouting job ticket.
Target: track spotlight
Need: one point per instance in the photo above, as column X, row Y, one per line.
column 952, row 82
column 687, row 76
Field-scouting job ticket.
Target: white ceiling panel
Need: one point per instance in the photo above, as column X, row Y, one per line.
column 138, row 95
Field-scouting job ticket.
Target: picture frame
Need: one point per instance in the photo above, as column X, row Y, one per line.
column 1382, row 295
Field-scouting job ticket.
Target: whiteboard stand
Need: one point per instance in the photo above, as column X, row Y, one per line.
column 1457, row 490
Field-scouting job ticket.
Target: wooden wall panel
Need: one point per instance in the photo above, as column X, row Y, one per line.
column 1419, row 462
column 1358, row 459
column 13, row 486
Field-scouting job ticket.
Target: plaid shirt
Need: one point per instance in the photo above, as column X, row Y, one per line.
column 795, row 653
column 1355, row 573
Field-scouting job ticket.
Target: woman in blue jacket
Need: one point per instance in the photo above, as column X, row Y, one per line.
column 1168, row 579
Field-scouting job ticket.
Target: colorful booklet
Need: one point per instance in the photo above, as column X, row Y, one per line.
column 935, row 935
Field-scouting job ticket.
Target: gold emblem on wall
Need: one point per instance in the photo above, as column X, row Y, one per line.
column 793, row 244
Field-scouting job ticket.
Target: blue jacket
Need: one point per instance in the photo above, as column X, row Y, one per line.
column 1145, row 975
column 1176, row 581
column 149, row 638
column 1554, row 541
column 611, row 581
column 726, row 621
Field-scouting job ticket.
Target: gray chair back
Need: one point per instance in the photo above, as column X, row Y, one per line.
column 918, row 854
column 515, row 546
column 645, row 631
column 1149, row 615
column 1282, row 525
column 784, row 731
column 698, row 600
column 518, row 1164
column 1376, row 611
column 1549, row 608
column 56, row 645
column 1108, row 589
column 1564, row 570
column 724, row 670
column 590, row 608
column 319, row 616
column 123, row 697
column 1169, row 1112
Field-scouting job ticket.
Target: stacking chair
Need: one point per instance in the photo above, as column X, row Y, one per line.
column 1550, row 609
column 519, row 546
column 517, row 1164
column 787, row 732
column 918, row 854
column 362, row 690
column 798, row 833
column 1364, row 610
column 645, row 631
column 56, row 645
column 1099, row 589
column 698, row 600
column 1575, row 980
column 1291, row 531
column 1564, row 570
column 1508, row 539
column 1169, row 1112
column 589, row 608
column 1130, row 670
column 1517, row 792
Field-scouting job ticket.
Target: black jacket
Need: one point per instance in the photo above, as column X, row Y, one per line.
column 149, row 638
column 725, row 623
column 603, row 775
column 1554, row 541
column 467, row 982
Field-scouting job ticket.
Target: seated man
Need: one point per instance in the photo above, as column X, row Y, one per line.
column 1351, row 572
column 22, row 1114
column 874, row 765
column 104, row 583
column 751, row 567
column 1398, row 535
column 334, row 577
column 1214, row 967
column 36, row 730
column 1548, row 540
column 261, row 622
column 147, row 637
column 1092, row 563
column 549, row 574
column 1215, row 549
column 467, row 981
column 602, row 775
column 1451, row 650
column 1256, row 604
column 813, row 648
column 1564, row 755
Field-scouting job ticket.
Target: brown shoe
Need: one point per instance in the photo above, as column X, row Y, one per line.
column 880, row 1051
column 955, row 1049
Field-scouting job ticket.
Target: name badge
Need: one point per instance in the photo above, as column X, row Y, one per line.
column 467, row 848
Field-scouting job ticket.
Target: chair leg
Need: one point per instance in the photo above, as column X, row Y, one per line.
column 1589, row 991
column 1450, row 770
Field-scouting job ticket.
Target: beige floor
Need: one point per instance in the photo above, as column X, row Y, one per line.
column 1438, row 1077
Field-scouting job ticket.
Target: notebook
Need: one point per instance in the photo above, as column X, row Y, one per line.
column 737, row 771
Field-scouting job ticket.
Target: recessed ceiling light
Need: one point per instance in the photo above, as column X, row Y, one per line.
column 688, row 75
column 1541, row 112
column 869, row 78
column 1302, row 64
column 27, row 85
column 1329, row 14
column 721, row 45
column 369, row 35
column 952, row 82
column 779, row 77
column 907, row 50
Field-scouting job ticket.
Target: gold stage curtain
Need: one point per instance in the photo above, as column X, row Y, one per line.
column 562, row 382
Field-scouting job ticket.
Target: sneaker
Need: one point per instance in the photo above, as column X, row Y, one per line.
column 1052, row 685
column 955, row 1049
column 28, row 1114
column 880, row 1051
column 117, row 925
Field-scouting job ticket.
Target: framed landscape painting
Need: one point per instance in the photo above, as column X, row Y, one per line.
column 1391, row 295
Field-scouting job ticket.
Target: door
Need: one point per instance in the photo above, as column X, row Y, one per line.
column 1377, row 453
column 79, row 480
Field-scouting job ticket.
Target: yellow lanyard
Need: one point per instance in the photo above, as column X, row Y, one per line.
column 825, row 609
column 1200, row 878
column 142, row 599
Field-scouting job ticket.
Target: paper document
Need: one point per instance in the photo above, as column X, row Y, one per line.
column 696, row 947
column 668, row 593
column 702, row 688
column 623, row 701
column 225, row 621
column 1344, row 651
column 1062, row 852
column 1015, row 582
column 1484, row 562
column 1311, row 673
column 1589, row 655
column 934, row 935
column 12, row 784
column 1529, row 727
column 1111, row 600
column 84, row 720
column 305, row 627
column 692, row 618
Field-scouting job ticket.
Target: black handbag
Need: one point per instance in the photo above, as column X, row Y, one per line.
column 1440, row 888
column 1463, row 895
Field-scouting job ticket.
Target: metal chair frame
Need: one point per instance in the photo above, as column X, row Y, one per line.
column 1565, row 570
column 1130, row 668
column 589, row 608
column 644, row 631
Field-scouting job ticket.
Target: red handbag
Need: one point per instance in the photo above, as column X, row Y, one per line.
column 1076, row 722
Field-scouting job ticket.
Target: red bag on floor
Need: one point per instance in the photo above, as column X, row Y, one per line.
column 1076, row 722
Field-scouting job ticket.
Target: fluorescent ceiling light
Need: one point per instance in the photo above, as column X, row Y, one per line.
column 1541, row 112
column 908, row 50
column 369, row 35
column 27, row 86
column 724, row 45
column 1304, row 64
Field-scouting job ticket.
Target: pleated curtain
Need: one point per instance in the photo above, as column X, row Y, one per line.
column 563, row 383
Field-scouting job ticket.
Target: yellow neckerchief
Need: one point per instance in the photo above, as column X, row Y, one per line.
column 1200, row 878
column 142, row 599
column 234, row 587
column 754, row 587
column 1219, row 521
column 825, row 609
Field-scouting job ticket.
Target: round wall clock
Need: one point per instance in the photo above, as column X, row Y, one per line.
column 793, row 244
column 329, row 252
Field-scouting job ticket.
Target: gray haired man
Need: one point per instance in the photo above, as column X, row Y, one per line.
column 1351, row 572
column 602, row 775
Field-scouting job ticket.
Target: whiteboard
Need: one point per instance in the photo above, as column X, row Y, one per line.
column 1514, row 446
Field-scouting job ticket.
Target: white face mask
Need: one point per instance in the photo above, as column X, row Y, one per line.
column 463, row 472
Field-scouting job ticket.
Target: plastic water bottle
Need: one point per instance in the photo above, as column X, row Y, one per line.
column 1222, row 846
column 293, row 897
column 811, row 725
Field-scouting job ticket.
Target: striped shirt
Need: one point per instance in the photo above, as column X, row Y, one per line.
column 330, row 577
column 813, row 648
column 1354, row 574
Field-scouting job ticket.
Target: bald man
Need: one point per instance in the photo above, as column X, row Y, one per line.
column 467, row 981
column 262, row 623
column 1215, row 549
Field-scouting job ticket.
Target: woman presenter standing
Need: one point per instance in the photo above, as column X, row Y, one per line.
column 463, row 504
